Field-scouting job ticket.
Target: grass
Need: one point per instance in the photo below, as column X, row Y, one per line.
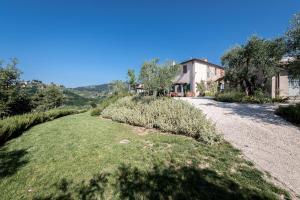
column 81, row 157
column 14, row 126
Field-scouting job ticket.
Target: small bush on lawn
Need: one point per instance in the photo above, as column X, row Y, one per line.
column 106, row 102
column 14, row 126
column 290, row 113
column 165, row 114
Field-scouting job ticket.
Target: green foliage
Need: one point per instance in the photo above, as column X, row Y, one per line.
column 157, row 79
column 14, row 126
column 290, row 113
column 13, row 99
column 165, row 114
column 293, row 46
column 105, row 103
column 131, row 77
column 48, row 98
column 235, row 96
column 212, row 88
column 201, row 88
column 252, row 65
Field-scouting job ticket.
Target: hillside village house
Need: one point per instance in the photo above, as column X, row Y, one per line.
column 194, row 71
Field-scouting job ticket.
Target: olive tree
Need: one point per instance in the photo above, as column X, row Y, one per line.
column 157, row 78
column 252, row 65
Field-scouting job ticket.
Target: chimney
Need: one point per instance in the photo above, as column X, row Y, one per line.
column 205, row 59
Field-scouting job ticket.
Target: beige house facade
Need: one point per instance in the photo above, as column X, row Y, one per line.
column 285, row 86
column 194, row 71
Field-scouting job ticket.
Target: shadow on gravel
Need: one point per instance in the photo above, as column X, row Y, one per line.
column 11, row 161
column 259, row 113
column 161, row 182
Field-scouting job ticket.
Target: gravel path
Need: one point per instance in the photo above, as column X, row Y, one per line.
column 269, row 141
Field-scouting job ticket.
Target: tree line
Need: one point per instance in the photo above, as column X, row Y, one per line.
column 18, row 97
column 155, row 77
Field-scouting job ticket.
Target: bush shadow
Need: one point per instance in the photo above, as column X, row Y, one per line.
column 11, row 161
column 161, row 182
column 256, row 112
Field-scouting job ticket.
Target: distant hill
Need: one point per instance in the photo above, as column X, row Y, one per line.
column 73, row 99
column 91, row 91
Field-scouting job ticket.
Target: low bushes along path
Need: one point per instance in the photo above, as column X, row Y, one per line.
column 265, row 138
column 84, row 157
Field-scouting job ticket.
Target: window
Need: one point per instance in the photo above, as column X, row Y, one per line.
column 184, row 69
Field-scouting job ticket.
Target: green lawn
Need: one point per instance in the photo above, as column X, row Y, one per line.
column 81, row 157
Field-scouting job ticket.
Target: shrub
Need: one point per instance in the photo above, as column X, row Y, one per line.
column 290, row 113
column 105, row 103
column 229, row 97
column 14, row 126
column 240, row 97
column 166, row 114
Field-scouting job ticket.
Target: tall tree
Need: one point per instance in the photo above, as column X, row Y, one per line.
column 252, row 65
column 131, row 78
column 293, row 46
column 13, row 100
column 148, row 75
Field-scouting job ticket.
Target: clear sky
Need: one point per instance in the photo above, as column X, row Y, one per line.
column 77, row 43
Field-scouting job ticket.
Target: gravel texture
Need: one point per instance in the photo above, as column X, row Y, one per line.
column 265, row 138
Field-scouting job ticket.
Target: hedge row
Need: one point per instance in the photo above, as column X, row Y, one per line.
column 240, row 97
column 14, row 126
column 290, row 113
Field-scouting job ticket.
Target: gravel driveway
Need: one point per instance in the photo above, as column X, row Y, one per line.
column 269, row 141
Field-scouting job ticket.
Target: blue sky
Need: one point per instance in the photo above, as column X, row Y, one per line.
column 86, row 42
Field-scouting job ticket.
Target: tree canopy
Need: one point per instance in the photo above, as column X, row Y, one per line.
column 293, row 46
column 157, row 78
column 252, row 65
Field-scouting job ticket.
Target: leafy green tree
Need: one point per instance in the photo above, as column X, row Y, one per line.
column 252, row 65
column 48, row 98
column 157, row 79
column 148, row 75
column 293, row 46
column 13, row 99
column 165, row 77
column 212, row 87
column 201, row 87
column 131, row 77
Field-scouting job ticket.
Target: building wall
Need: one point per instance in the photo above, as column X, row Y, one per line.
column 197, row 72
column 282, row 86
column 200, row 75
column 185, row 77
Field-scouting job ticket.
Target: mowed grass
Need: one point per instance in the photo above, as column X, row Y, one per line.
column 81, row 157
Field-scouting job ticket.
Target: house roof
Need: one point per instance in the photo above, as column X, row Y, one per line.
column 202, row 61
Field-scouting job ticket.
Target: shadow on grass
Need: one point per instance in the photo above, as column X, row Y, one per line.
column 11, row 161
column 161, row 182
